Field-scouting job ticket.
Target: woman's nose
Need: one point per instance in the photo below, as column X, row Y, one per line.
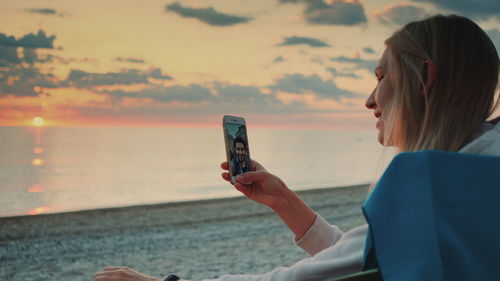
column 370, row 102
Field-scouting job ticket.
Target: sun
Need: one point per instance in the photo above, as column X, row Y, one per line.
column 38, row 121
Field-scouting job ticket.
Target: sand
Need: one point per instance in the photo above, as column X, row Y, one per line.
column 196, row 240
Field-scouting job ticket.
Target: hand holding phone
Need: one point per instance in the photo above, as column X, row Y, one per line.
column 236, row 142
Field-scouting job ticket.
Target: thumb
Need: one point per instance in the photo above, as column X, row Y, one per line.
column 250, row 177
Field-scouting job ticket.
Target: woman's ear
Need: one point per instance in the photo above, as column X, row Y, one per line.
column 429, row 74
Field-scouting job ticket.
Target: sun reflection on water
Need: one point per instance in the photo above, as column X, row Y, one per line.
column 39, row 210
column 36, row 188
column 37, row 162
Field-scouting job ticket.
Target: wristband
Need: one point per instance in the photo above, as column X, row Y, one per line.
column 172, row 277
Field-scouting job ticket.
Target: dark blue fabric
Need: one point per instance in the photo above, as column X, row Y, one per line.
column 435, row 215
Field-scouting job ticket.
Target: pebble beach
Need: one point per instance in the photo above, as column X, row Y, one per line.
column 196, row 239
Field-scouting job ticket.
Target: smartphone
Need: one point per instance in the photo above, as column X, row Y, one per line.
column 236, row 142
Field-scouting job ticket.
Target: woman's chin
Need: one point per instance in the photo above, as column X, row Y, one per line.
column 380, row 137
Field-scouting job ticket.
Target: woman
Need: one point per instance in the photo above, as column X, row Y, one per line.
column 436, row 88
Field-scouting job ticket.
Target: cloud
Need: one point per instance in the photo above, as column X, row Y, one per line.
column 83, row 79
column 217, row 93
column 369, row 65
column 337, row 73
column 18, row 78
column 40, row 40
column 132, row 60
column 8, row 55
column 337, row 12
column 160, row 103
column 158, row 74
column 52, row 58
column 206, row 15
column 278, row 59
column 22, row 81
column 30, row 55
column 296, row 40
column 192, row 93
column 369, row 50
column 400, row 14
column 194, row 99
column 299, row 83
column 45, row 11
column 234, row 94
column 317, row 60
column 37, row 41
column 8, row 41
column 223, row 97
column 479, row 9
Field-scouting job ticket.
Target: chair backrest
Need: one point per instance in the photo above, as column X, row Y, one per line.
column 435, row 215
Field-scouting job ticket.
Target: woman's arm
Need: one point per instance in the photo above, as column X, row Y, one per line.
column 267, row 189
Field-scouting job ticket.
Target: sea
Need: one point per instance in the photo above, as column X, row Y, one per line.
column 52, row 170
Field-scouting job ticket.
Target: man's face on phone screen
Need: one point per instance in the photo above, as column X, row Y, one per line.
column 240, row 151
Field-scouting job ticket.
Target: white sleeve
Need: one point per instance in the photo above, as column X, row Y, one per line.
column 344, row 256
column 320, row 236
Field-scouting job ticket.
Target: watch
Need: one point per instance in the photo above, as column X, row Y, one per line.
column 172, row 277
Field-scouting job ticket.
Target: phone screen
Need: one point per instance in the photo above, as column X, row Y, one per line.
column 236, row 141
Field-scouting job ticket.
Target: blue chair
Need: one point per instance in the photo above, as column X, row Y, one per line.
column 435, row 215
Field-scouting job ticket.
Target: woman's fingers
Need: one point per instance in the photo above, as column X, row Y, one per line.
column 120, row 273
column 225, row 176
column 243, row 178
column 113, row 268
column 224, row 165
column 255, row 165
column 250, row 177
column 105, row 276
column 114, row 273
column 110, row 273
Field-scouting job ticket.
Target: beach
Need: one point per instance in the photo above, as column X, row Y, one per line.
column 195, row 240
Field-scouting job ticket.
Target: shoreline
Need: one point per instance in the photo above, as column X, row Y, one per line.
column 196, row 239
column 178, row 203
column 172, row 204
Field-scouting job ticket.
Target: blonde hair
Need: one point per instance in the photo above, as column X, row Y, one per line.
column 453, row 110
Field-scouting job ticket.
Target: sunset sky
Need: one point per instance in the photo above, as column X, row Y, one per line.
column 285, row 63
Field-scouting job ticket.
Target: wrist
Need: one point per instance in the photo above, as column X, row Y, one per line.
column 283, row 201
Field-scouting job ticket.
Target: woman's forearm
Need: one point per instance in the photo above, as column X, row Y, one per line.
column 296, row 214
